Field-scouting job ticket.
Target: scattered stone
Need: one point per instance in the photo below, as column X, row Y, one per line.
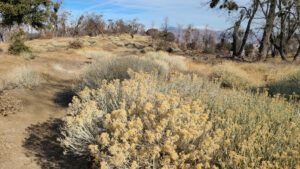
column 8, row 104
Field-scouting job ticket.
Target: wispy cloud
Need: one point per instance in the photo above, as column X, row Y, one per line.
column 147, row 11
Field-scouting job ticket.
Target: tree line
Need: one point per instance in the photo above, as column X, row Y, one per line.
column 274, row 22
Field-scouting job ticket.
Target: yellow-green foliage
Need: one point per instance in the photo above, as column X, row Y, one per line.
column 231, row 77
column 143, row 122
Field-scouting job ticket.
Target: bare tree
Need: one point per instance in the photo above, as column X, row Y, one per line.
column 93, row 25
column 269, row 9
column 188, row 34
column 246, row 13
column 179, row 33
column 54, row 18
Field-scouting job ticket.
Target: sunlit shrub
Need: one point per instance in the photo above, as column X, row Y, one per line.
column 175, row 62
column 26, row 77
column 132, row 123
column 110, row 68
column 230, row 77
column 146, row 121
column 259, row 131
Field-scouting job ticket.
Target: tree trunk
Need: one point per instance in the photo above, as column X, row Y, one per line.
column 235, row 37
column 265, row 42
column 279, row 48
column 282, row 54
column 297, row 55
column 247, row 32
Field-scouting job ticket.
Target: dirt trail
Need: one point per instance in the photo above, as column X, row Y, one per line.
column 28, row 139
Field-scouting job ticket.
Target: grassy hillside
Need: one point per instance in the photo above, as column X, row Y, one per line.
column 136, row 107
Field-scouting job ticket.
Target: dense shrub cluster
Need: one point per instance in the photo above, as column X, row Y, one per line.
column 110, row 67
column 231, row 77
column 259, row 131
column 179, row 121
column 146, row 121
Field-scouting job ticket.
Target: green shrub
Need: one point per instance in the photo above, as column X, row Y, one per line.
column 17, row 46
column 231, row 77
column 223, row 47
column 169, row 36
column 154, row 33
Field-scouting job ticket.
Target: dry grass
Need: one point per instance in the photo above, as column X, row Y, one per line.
column 26, row 77
column 175, row 62
column 110, row 67
column 156, row 117
column 93, row 54
column 231, row 77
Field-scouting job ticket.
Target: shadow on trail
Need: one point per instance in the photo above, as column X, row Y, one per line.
column 42, row 144
column 64, row 98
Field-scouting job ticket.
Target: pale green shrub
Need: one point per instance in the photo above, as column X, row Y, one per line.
column 111, row 125
column 231, row 77
column 175, row 62
column 26, row 77
column 148, row 121
column 259, row 131
column 110, row 68
column 27, row 55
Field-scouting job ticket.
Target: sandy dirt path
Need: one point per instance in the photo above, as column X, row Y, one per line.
column 28, row 139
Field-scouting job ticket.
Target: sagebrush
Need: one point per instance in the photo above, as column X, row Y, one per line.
column 146, row 121
column 113, row 67
column 138, row 122
column 231, row 77
column 26, row 77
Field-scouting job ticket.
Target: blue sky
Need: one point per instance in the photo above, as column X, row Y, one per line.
column 147, row 11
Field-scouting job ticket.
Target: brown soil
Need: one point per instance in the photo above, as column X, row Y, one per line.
column 29, row 131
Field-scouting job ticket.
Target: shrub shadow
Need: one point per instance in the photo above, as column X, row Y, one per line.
column 42, row 144
column 64, row 98
column 285, row 89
